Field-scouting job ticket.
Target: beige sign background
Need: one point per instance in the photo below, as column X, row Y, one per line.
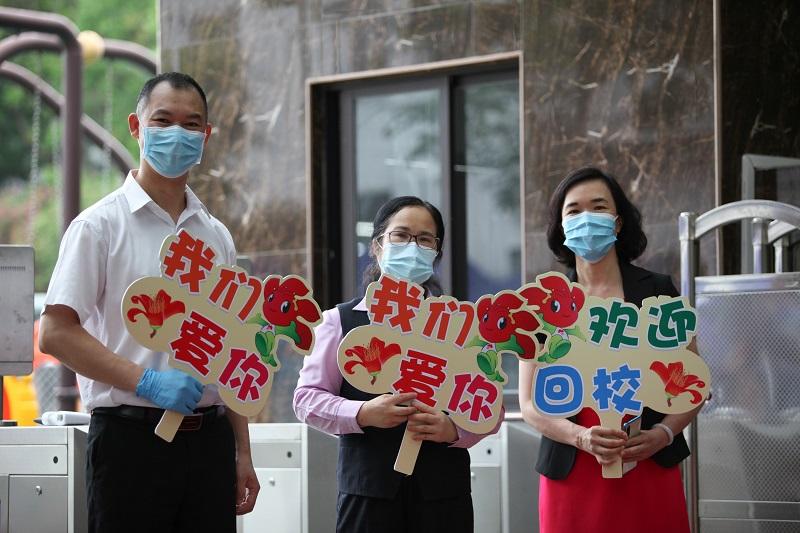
column 218, row 324
column 448, row 352
column 620, row 358
column 604, row 354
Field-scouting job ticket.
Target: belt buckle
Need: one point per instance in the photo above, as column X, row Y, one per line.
column 191, row 422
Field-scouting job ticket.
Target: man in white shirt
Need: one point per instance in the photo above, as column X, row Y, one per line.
column 135, row 480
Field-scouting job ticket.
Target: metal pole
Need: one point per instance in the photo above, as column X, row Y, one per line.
column 689, row 263
column 70, row 136
column 131, row 52
column 112, row 48
column 29, row 40
column 748, row 193
column 96, row 133
column 781, row 247
column 759, row 243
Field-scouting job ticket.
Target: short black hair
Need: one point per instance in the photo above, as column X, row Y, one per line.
column 381, row 222
column 177, row 80
column 631, row 240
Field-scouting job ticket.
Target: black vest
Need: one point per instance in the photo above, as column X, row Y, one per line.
column 366, row 460
column 555, row 458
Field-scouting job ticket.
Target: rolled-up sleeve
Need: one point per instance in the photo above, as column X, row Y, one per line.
column 316, row 399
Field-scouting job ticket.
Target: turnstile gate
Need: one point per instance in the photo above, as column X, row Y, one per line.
column 744, row 474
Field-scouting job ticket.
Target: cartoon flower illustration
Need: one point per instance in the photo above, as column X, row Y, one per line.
column 156, row 310
column 677, row 381
column 286, row 311
column 504, row 325
column 371, row 357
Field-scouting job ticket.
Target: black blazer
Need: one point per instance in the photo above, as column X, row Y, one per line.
column 556, row 459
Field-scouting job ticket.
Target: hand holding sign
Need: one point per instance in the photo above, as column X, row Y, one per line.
column 219, row 325
column 386, row 410
column 630, row 358
column 171, row 389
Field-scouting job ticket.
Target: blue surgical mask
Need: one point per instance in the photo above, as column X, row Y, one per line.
column 172, row 151
column 590, row 235
column 407, row 261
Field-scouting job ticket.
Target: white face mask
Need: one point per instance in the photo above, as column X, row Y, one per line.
column 173, row 150
column 407, row 261
column 590, row 235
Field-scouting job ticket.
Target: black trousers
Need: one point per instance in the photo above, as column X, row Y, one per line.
column 137, row 482
column 406, row 513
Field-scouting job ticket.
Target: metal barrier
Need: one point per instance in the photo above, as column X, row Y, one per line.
column 744, row 473
column 755, row 168
column 778, row 235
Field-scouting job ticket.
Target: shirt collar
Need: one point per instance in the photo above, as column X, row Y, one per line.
column 134, row 194
column 193, row 203
column 138, row 198
column 362, row 305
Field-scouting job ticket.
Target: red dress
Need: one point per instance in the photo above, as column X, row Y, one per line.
column 648, row 498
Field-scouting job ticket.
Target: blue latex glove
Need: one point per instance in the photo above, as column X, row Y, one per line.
column 170, row 389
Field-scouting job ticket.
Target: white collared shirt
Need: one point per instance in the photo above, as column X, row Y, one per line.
column 105, row 249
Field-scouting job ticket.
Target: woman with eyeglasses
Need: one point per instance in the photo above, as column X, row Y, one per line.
column 596, row 231
column 406, row 243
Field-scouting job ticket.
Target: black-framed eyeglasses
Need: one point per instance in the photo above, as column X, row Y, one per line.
column 403, row 238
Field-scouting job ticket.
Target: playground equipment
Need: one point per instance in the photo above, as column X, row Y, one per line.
column 55, row 33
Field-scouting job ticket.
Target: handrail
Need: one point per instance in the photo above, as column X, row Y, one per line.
column 29, row 40
column 55, row 100
column 745, row 209
column 778, row 229
column 132, row 52
column 111, row 48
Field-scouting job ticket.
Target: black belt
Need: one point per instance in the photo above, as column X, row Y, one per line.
column 152, row 415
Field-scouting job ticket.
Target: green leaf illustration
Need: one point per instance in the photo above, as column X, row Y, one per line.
column 576, row 332
column 476, row 341
column 511, row 345
column 290, row 331
column 485, row 364
column 496, row 377
column 265, row 342
column 257, row 319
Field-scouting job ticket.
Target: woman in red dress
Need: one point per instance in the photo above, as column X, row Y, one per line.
column 595, row 230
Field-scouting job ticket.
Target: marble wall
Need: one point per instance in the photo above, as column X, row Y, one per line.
column 621, row 84
column 253, row 58
column 627, row 86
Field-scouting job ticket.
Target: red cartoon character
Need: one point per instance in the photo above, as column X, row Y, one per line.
column 156, row 310
column 287, row 311
column 504, row 326
column 559, row 307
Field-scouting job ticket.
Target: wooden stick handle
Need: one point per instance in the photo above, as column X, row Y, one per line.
column 407, row 455
column 168, row 425
column 613, row 470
